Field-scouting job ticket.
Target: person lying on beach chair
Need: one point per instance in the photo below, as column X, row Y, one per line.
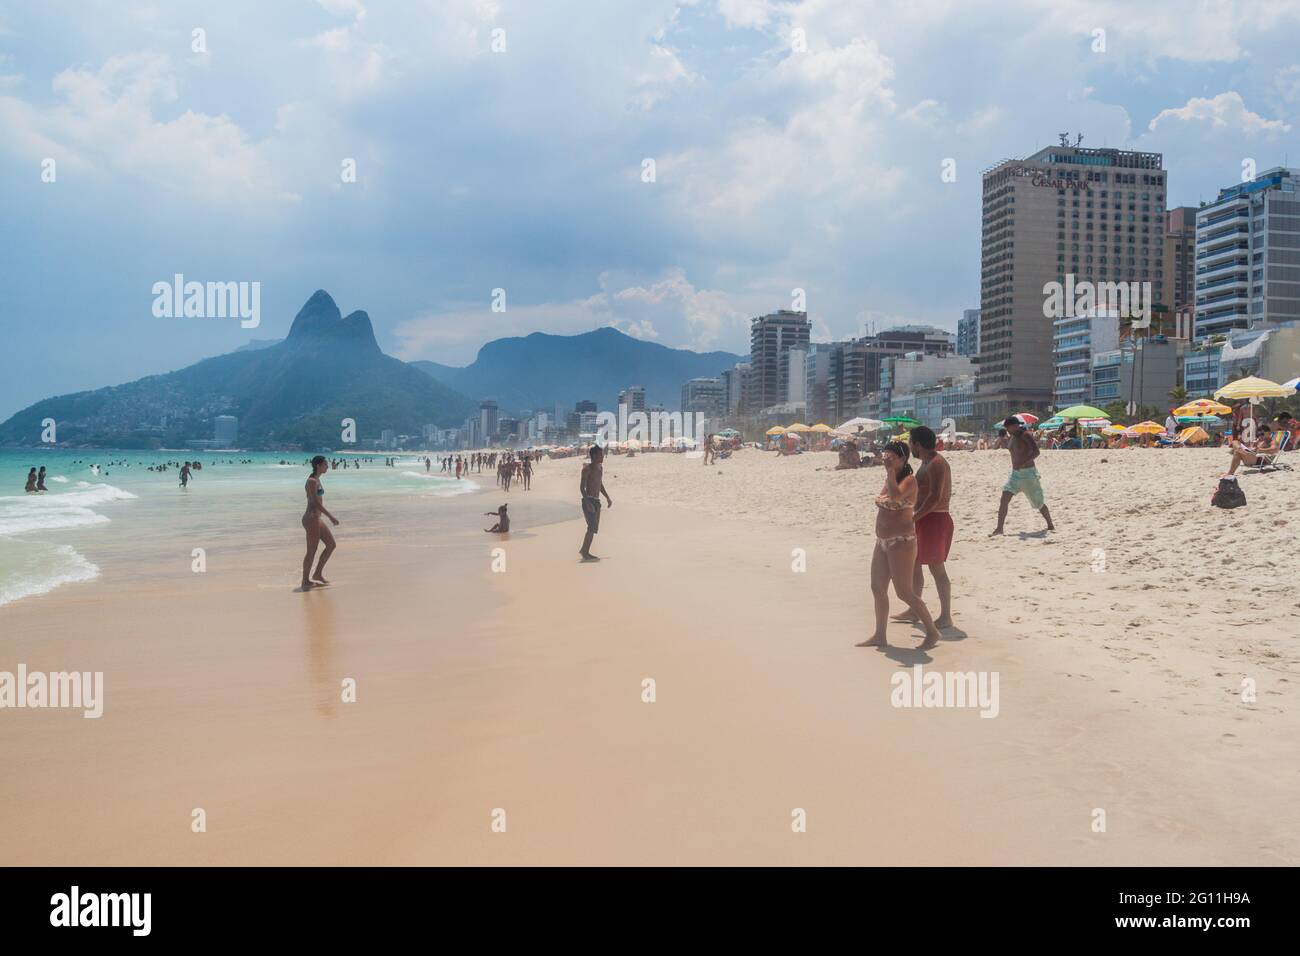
column 503, row 521
column 1263, row 456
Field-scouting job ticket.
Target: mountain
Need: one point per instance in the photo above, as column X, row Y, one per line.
column 536, row 371
column 293, row 392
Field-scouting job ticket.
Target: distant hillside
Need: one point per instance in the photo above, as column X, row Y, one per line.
column 296, row 391
column 538, row 370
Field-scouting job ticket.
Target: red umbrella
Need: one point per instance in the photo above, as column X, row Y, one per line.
column 1027, row 418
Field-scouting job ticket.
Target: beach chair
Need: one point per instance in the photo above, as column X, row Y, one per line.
column 1274, row 461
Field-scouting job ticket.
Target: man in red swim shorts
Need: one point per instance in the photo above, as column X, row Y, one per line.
column 933, row 523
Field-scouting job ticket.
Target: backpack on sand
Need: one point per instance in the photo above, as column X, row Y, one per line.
column 1229, row 494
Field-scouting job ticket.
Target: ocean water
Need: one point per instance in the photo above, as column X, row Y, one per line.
column 104, row 505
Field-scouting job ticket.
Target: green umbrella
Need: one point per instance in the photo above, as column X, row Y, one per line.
column 1081, row 411
column 902, row 420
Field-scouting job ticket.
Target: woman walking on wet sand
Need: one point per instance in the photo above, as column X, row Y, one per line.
column 313, row 522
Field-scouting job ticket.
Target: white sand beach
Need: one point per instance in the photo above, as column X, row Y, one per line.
column 1121, row 643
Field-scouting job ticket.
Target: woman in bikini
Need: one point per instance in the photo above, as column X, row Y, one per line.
column 894, row 556
column 313, row 522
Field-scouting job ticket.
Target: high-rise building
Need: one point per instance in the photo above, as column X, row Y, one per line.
column 1180, row 258
column 968, row 333
column 736, row 381
column 633, row 397
column 854, row 367
column 225, row 431
column 705, row 396
column 1248, row 255
column 770, row 336
column 1098, row 214
column 488, row 416
column 1076, row 340
column 796, row 375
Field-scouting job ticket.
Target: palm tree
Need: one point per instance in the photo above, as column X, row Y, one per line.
column 1178, row 395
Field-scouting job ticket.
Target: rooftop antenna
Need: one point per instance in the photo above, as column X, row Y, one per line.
column 1078, row 139
column 1064, row 138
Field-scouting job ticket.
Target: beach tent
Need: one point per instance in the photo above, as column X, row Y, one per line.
column 1194, row 435
column 1202, row 406
column 1081, row 411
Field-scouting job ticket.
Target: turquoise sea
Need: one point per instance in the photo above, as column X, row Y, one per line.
column 105, row 504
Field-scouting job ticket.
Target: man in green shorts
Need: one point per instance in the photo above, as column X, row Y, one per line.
column 1024, row 475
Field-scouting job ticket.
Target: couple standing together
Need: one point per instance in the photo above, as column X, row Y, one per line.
column 913, row 530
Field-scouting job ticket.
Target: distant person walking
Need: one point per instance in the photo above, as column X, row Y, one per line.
column 185, row 475
column 592, row 486
column 1024, row 474
column 31, row 481
column 40, row 480
column 313, row 522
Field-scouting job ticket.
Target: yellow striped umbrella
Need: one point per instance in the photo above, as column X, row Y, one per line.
column 1252, row 387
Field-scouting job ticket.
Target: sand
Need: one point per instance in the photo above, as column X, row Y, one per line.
column 487, row 696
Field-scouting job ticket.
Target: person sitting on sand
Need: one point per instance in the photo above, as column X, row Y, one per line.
column 894, row 555
column 1268, row 445
column 503, row 521
column 848, row 456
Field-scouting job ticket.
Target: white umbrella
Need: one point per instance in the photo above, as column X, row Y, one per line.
column 860, row 425
column 1294, row 383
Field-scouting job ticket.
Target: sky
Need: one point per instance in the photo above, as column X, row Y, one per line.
column 668, row 167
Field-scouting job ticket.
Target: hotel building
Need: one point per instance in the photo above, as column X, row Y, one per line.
column 1098, row 214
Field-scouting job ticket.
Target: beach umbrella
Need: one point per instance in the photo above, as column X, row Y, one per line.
column 1203, row 406
column 1113, row 430
column 1027, row 418
column 1294, row 383
column 775, row 430
column 860, row 424
column 1194, row 435
column 1094, row 422
column 901, row 420
column 1252, row 387
column 799, row 427
column 1147, row 428
column 1081, row 411
column 1056, row 421
column 821, row 427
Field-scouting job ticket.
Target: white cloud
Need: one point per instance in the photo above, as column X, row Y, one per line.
column 106, row 120
column 1226, row 112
